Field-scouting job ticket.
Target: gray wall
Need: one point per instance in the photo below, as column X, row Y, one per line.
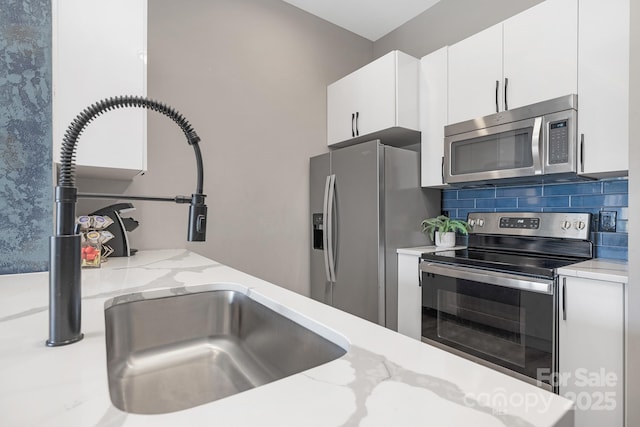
column 25, row 136
column 633, row 292
column 251, row 77
column 448, row 22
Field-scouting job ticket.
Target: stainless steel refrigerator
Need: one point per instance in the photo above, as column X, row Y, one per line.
column 365, row 202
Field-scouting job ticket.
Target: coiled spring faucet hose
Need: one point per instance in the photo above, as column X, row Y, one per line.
column 65, row 244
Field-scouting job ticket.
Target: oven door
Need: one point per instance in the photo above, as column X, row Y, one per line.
column 500, row 320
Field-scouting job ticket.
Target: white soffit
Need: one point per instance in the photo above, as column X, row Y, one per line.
column 371, row 19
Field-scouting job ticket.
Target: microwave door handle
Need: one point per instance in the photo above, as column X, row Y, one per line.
column 535, row 146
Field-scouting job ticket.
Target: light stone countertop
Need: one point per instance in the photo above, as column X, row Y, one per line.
column 384, row 379
column 419, row 250
column 609, row 270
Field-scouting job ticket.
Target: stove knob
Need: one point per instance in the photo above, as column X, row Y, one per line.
column 480, row 222
column 580, row 225
column 472, row 222
column 566, row 225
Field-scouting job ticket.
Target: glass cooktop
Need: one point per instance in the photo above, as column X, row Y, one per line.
column 516, row 263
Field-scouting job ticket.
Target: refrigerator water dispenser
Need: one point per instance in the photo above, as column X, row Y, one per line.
column 318, row 233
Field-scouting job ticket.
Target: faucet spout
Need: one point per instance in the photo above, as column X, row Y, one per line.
column 65, row 287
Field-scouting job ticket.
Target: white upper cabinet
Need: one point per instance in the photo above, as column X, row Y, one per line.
column 475, row 76
column 99, row 51
column 603, row 87
column 380, row 96
column 528, row 58
column 556, row 48
column 433, row 116
column 540, row 53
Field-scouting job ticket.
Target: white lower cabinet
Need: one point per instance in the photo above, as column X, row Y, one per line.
column 409, row 296
column 591, row 350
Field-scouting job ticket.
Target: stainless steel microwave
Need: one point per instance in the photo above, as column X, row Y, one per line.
column 532, row 141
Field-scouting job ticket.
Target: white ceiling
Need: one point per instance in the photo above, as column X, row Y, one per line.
column 371, row 19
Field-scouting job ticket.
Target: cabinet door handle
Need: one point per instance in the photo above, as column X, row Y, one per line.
column 564, row 298
column 442, row 169
column 357, row 117
column 353, row 127
column 506, row 85
column 497, row 87
column 419, row 274
column 582, row 152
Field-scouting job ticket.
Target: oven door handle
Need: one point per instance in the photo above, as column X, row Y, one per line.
column 507, row 280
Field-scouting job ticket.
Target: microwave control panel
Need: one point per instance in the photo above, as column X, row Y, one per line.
column 558, row 142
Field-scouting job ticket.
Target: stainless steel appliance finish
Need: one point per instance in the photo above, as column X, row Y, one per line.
column 548, row 224
column 496, row 302
column 496, row 278
column 172, row 353
column 365, row 202
column 532, row 141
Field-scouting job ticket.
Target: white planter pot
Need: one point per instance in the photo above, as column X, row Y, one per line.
column 445, row 240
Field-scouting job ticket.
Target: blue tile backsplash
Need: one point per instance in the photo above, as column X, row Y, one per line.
column 25, row 135
column 591, row 196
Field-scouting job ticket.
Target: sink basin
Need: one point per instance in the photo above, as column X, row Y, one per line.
column 168, row 352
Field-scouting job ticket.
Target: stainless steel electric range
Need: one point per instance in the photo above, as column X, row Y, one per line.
column 496, row 302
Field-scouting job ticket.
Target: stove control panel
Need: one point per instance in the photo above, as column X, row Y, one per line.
column 540, row 224
column 509, row 222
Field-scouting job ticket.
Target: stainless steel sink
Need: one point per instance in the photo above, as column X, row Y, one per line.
column 171, row 352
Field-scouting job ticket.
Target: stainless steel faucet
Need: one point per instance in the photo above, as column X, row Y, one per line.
column 65, row 245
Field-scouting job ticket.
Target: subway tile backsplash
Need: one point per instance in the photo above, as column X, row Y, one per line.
column 590, row 196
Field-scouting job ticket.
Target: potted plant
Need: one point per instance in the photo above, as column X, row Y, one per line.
column 442, row 230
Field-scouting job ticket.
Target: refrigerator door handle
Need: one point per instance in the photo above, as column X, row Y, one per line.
column 325, row 221
column 330, row 223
